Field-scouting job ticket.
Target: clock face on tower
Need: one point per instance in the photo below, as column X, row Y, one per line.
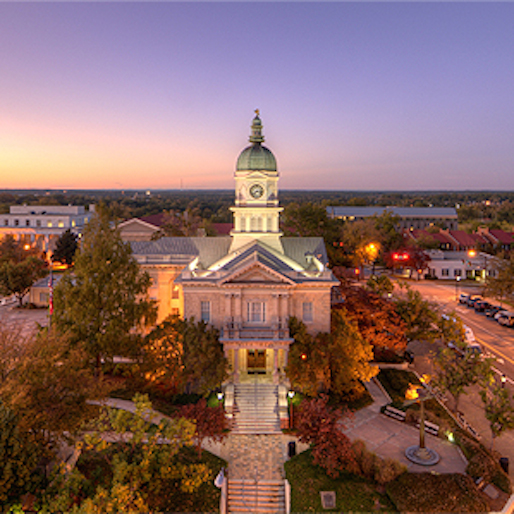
column 256, row 190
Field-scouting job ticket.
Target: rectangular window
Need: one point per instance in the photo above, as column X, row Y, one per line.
column 175, row 293
column 16, row 223
column 307, row 312
column 6, row 223
column 43, row 298
column 457, row 272
column 27, row 223
column 49, row 224
column 445, row 272
column 256, row 312
column 38, row 223
column 175, row 311
column 205, row 314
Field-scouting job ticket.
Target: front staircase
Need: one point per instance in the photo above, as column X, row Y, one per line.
column 263, row 496
column 256, row 408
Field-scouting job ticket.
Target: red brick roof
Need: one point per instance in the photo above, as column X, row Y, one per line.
column 222, row 229
column 158, row 220
column 501, row 236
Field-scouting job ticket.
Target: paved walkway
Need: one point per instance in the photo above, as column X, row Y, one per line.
column 389, row 438
column 262, row 457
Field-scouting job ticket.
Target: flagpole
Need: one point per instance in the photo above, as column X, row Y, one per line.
column 50, row 297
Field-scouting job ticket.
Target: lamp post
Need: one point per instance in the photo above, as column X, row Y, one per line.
column 457, row 289
column 420, row 454
column 291, row 396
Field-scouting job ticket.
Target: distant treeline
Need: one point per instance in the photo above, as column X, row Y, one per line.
column 214, row 205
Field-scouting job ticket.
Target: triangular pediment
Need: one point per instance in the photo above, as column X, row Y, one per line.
column 255, row 272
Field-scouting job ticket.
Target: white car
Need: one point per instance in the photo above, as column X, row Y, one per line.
column 506, row 319
column 7, row 300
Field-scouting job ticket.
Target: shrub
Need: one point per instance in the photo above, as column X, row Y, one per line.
column 387, row 470
column 374, row 467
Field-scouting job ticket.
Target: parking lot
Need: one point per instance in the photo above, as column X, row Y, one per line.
column 25, row 319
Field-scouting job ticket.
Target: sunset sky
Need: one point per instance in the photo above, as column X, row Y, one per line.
column 353, row 96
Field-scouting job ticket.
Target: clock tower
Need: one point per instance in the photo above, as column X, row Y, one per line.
column 256, row 210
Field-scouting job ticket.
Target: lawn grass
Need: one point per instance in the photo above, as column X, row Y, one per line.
column 425, row 492
column 353, row 493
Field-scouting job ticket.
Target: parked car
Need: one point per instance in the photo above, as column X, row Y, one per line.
column 501, row 312
column 481, row 305
column 463, row 298
column 492, row 310
column 506, row 319
column 472, row 299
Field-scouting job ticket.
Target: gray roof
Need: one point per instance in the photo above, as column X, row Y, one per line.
column 403, row 212
column 209, row 250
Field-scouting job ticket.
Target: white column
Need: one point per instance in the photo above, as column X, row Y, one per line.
column 236, row 366
column 275, row 366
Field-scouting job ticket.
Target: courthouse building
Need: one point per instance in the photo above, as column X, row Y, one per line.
column 250, row 283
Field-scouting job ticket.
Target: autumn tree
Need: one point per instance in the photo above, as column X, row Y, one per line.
column 104, row 303
column 185, row 356
column 331, row 363
column 12, row 346
column 50, row 385
column 320, row 426
column 65, row 248
column 19, row 268
column 210, row 422
column 499, row 410
column 377, row 320
column 308, row 366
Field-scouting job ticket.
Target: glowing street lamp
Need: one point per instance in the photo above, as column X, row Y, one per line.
column 420, row 454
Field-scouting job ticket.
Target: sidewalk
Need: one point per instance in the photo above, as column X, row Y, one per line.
column 471, row 406
column 389, row 438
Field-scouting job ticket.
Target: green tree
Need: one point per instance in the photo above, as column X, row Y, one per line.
column 65, row 248
column 140, row 456
column 185, row 355
column 380, row 285
column 19, row 268
column 104, row 303
column 501, row 285
column 419, row 316
column 459, row 369
column 498, row 410
column 19, row 455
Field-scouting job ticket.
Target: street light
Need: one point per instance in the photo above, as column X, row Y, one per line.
column 291, row 396
column 457, row 288
column 420, row 454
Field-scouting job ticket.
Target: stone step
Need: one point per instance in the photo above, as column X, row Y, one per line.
column 264, row 496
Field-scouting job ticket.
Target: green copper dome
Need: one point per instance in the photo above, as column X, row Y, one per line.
column 256, row 156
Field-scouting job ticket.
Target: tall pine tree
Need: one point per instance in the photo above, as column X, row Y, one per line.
column 104, row 303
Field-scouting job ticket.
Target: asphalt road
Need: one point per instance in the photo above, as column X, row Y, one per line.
column 493, row 337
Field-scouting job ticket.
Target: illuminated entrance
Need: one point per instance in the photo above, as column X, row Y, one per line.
column 256, row 362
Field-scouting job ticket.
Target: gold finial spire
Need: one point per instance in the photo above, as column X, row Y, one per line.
column 257, row 112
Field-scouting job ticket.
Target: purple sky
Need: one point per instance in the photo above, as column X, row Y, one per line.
column 352, row 95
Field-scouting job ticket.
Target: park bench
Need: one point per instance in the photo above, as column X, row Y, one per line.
column 394, row 413
column 430, row 428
